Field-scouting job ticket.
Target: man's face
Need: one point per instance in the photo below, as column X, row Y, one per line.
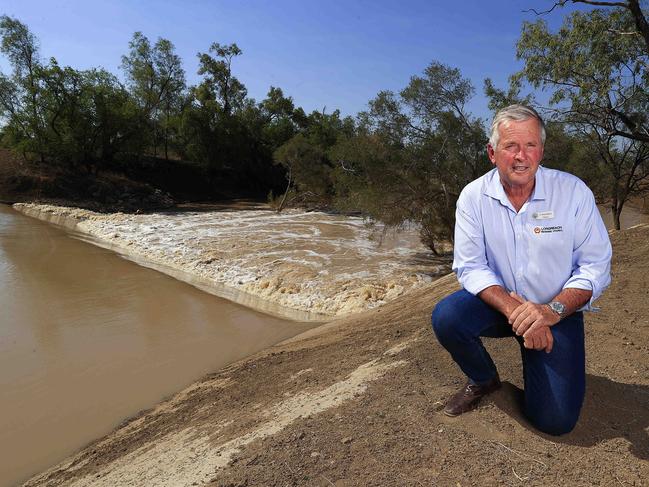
column 518, row 154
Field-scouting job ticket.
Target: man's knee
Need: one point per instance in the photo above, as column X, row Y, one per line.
column 444, row 319
column 555, row 423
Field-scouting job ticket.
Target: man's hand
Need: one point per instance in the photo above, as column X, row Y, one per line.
column 539, row 339
column 533, row 322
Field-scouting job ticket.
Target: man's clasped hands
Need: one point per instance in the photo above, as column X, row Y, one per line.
column 533, row 322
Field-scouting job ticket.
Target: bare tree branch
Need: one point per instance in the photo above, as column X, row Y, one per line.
column 621, row 33
column 543, row 12
column 602, row 4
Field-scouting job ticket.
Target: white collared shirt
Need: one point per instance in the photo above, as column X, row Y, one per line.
column 557, row 240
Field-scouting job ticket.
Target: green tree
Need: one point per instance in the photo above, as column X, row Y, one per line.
column 276, row 118
column 21, row 92
column 216, row 132
column 156, row 80
column 63, row 115
column 499, row 99
column 306, row 157
column 595, row 73
column 600, row 89
column 633, row 8
column 222, row 85
column 308, row 172
column 413, row 154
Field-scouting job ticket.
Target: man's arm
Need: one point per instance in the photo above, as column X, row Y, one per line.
column 469, row 253
column 591, row 258
column 573, row 299
column 498, row 298
column 508, row 304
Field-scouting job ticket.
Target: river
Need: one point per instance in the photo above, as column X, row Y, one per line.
column 88, row 338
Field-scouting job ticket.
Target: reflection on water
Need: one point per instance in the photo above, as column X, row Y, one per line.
column 88, row 339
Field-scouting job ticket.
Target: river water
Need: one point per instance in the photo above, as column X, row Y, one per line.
column 88, row 338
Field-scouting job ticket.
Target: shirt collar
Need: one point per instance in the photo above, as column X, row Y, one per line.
column 494, row 187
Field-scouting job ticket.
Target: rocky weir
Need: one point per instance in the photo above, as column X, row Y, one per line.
column 296, row 264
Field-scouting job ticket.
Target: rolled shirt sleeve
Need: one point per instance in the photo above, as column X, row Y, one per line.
column 469, row 256
column 591, row 257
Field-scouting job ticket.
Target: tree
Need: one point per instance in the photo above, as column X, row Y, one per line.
column 20, row 93
column 627, row 165
column 306, row 157
column 277, row 118
column 61, row 114
column 222, row 85
column 307, row 171
column 499, row 99
column 597, row 57
column 599, row 83
column 413, row 154
column 156, row 80
column 633, row 7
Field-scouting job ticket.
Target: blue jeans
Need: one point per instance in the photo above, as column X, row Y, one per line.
column 554, row 382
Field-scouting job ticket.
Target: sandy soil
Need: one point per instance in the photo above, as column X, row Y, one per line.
column 313, row 262
column 357, row 402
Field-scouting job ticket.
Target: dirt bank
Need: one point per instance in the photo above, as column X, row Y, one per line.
column 356, row 402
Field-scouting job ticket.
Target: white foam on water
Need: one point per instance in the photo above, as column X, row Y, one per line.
column 310, row 261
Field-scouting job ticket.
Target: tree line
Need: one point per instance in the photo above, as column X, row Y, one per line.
column 402, row 161
column 90, row 120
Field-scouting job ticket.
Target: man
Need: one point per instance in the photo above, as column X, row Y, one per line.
column 531, row 253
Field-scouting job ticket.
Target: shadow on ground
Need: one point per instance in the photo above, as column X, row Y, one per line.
column 611, row 410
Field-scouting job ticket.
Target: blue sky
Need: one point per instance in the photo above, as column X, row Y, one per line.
column 333, row 54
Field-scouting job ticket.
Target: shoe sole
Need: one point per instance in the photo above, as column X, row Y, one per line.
column 451, row 415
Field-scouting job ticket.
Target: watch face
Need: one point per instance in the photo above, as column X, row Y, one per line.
column 558, row 307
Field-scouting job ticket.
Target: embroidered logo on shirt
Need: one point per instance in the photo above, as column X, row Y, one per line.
column 555, row 229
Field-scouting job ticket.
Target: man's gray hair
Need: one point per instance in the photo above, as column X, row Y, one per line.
column 516, row 113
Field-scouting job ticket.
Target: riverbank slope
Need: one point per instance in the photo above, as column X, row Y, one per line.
column 357, row 402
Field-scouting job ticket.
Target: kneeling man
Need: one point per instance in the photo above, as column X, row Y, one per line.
column 531, row 253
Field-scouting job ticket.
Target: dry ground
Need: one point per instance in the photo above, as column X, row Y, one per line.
column 356, row 402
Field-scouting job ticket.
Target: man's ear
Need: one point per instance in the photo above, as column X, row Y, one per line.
column 491, row 153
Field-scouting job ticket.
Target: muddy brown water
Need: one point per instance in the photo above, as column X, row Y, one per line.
column 88, row 339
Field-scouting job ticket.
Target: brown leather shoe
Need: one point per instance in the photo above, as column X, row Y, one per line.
column 469, row 396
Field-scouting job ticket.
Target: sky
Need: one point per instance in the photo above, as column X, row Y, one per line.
column 327, row 54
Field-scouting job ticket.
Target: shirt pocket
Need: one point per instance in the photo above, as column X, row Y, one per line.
column 550, row 246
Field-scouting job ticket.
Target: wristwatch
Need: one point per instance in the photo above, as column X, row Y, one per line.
column 558, row 308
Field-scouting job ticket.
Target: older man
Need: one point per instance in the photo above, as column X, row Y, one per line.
column 531, row 253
